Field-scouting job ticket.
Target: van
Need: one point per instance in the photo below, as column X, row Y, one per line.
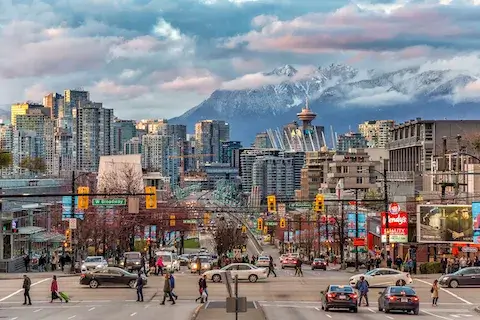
column 170, row 260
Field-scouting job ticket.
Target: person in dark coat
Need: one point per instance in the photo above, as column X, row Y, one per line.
column 140, row 287
column 27, row 283
column 167, row 290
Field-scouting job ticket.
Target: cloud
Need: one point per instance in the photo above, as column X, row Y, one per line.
column 109, row 89
column 470, row 93
column 247, row 65
column 377, row 97
column 197, row 81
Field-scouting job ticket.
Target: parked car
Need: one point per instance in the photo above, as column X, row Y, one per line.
column 383, row 277
column 339, row 297
column 398, row 298
column 263, row 262
column 245, row 271
column 319, row 263
column 93, row 262
column 110, row 276
column 465, row 277
column 289, row 262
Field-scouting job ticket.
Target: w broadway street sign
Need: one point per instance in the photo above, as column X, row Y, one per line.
column 300, row 205
column 109, row 202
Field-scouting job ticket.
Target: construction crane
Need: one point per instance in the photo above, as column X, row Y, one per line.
column 182, row 163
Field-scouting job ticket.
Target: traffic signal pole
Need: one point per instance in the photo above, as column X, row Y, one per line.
column 72, row 232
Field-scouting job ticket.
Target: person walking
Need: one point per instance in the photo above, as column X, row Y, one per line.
column 26, row 262
column 298, row 268
column 142, row 266
column 434, row 290
column 199, row 265
column 54, row 290
column 362, row 288
column 139, row 286
column 167, row 290
column 202, row 284
column 27, row 283
column 271, row 267
column 160, row 266
column 172, row 286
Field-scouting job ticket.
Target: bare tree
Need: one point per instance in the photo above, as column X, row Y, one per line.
column 339, row 225
column 472, row 143
column 227, row 237
column 121, row 177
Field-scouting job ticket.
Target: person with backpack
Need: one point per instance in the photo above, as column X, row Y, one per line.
column 172, row 286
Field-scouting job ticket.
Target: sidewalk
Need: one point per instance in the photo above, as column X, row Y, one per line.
column 35, row 275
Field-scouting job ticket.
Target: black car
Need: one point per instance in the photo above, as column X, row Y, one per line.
column 110, row 276
column 319, row 263
column 339, row 297
column 465, row 277
column 398, row 298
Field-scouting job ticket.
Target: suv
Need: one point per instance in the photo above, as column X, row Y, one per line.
column 132, row 261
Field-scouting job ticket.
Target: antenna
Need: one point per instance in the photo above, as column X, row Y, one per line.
column 333, row 136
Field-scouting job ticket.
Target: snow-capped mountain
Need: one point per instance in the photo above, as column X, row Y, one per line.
column 341, row 96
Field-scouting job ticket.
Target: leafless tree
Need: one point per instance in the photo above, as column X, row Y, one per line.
column 227, row 237
column 472, row 143
column 339, row 226
column 121, row 178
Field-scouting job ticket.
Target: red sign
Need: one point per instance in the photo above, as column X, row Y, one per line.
column 399, row 220
column 395, row 231
column 359, row 242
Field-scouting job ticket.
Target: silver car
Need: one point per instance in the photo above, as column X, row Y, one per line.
column 94, row 262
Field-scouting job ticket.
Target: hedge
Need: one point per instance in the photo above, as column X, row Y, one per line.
column 430, row 268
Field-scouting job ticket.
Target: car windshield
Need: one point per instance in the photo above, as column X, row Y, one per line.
column 132, row 255
column 93, row 259
column 369, row 273
column 204, row 260
column 318, row 260
column 346, row 289
column 402, row 290
column 264, row 258
column 166, row 258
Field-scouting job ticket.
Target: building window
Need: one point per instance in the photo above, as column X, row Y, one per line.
column 345, row 169
column 359, row 169
column 359, row 180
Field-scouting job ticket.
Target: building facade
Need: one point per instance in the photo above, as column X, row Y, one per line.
column 209, row 135
column 350, row 140
column 376, row 132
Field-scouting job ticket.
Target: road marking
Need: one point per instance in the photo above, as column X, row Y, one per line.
column 147, row 306
column 455, row 315
column 15, row 318
column 207, row 304
column 391, row 318
column 72, row 317
column 255, row 305
column 133, row 314
column 328, row 315
column 371, row 310
column 434, row 315
column 38, row 310
column 21, row 290
column 317, row 308
column 92, row 308
column 447, row 291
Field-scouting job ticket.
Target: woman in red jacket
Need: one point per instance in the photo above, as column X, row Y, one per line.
column 54, row 289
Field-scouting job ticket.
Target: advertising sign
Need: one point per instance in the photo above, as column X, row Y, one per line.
column 476, row 221
column 396, row 235
column 444, row 223
column 352, row 227
column 397, row 225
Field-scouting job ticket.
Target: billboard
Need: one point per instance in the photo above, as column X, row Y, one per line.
column 397, row 227
column 444, row 223
column 352, row 226
column 476, row 221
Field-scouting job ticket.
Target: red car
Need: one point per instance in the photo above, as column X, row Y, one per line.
column 289, row 262
column 319, row 263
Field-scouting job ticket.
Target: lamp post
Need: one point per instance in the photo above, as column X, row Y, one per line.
column 385, row 202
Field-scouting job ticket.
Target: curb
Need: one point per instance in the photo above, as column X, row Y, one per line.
column 196, row 312
column 261, row 310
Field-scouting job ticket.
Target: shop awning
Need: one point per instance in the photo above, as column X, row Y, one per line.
column 30, row 230
column 47, row 237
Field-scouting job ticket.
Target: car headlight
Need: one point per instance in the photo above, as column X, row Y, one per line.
column 137, row 262
column 444, row 278
column 194, row 265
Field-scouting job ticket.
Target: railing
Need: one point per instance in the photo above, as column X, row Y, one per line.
column 12, row 265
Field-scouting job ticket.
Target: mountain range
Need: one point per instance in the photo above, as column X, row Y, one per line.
column 341, row 96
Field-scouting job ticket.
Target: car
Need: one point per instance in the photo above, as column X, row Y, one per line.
column 132, row 261
column 283, row 256
column 383, row 277
column 465, row 277
column 339, row 297
column 263, row 262
column 170, row 260
column 289, row 262
column 205, row 264
column 399, row 298
column 110, row 276
column 319, row 263
column 93, row 262
column 244, row 271
column 184, row 259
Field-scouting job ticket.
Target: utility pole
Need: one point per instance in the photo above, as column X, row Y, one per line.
column 356, row 229
column 386, row 205
column 326, row 231
column 72, row 216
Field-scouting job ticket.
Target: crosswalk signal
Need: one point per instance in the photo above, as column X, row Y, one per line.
column 260, row 224
column 319, row 203
column 244, row 229
column 272, row 204
column 83, row 200
column 151, row 198
column 265, row 230
column 282, row 223
column 172, row 221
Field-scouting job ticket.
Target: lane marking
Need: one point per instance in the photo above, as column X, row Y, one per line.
column 14, row 318
column 21, row 290
column 92, row 308
column 133, row 314
column 328, row 315
column 72, row 317
column 207, row 304
column 317, row 308
column 371, row 310
column 255, row 305
column 391, row 318
column 455, row 315
column 147, row 306
column 448, row 292
column 37, row 310
column 434, row 315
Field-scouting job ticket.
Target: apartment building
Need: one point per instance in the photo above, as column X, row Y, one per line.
column 209, row 134
column 376, row 132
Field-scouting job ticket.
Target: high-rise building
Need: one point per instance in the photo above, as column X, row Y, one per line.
column 73, row 99
column 209, row 134
column 376, row 132
column 274, row 175
column 350, row 140
column 55, row 102
column 133, row 146
column 159, row 155
column 93, row 132
column 22, row 108
column 123, row 131
column 230, row 153
column 262, row 141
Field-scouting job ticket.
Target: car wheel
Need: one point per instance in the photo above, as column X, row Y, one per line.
column 453, row 284
column 132, row 283
column 93, row 284
column 387, row 310
column 355, row 310
column 401, row 282
column 313, row 269
column 252, row 278
column 416, row 312
column 216, row 278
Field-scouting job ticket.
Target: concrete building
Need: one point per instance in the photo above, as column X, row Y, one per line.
column 133, row 146
column 230, row 153
column 123, row 131
column 274, row 175
column 73, row 100
column 376, row 132
column 216, row 172
column 64, row 152
column 350, row 140
column 22, row 109
column 209, row 135
column 414, row 145
column 314, row 173
column 55, row 102
column 120, row 173
column 247, row 159
column 262, row 141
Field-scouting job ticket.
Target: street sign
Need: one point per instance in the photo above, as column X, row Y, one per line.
column 271, row 223
column 469, row 249
column 78, row 215
column 300, row 205
column 72, row 223
column 359, row 242
column 109, row 202
column 190, row 221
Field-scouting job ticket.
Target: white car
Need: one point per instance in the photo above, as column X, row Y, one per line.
column 383, row 277
column 263, row 262
column 170, row 260
column 245, row 271
column 93, row 262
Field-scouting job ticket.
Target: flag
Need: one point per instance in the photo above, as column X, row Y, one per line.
column 339, row 189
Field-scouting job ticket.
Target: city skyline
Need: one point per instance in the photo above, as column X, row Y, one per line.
column 166, row 61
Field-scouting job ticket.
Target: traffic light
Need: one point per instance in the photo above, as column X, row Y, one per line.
column 282, row 223
column 260, row 224
column 265, row 230
column 149, row 241
column 151, row 198
column 65, row 244
column 319, row 203
column 172, row 220
column 83, row 200
column 206, row 218
column 272, row 204
column 68, row 237
column 244, row 229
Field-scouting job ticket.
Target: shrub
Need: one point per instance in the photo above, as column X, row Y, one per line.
column 430, row 268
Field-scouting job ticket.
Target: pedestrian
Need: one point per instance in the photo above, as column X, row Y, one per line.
column 389, row 262
column 298, row 268
column 142, row 265
column 160, row 266
column 26, row 290
column 172, row 286
column 362, row 287
column 202, row 284
column 167, row 290
column 271, row 267
column 199, row 265
column 139, row 286
column 444, row 263
column 54, row 290
column 26, row 262
column 434, row 291
column 398, row 263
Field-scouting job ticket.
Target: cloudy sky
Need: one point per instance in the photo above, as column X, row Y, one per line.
column 158, row 58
